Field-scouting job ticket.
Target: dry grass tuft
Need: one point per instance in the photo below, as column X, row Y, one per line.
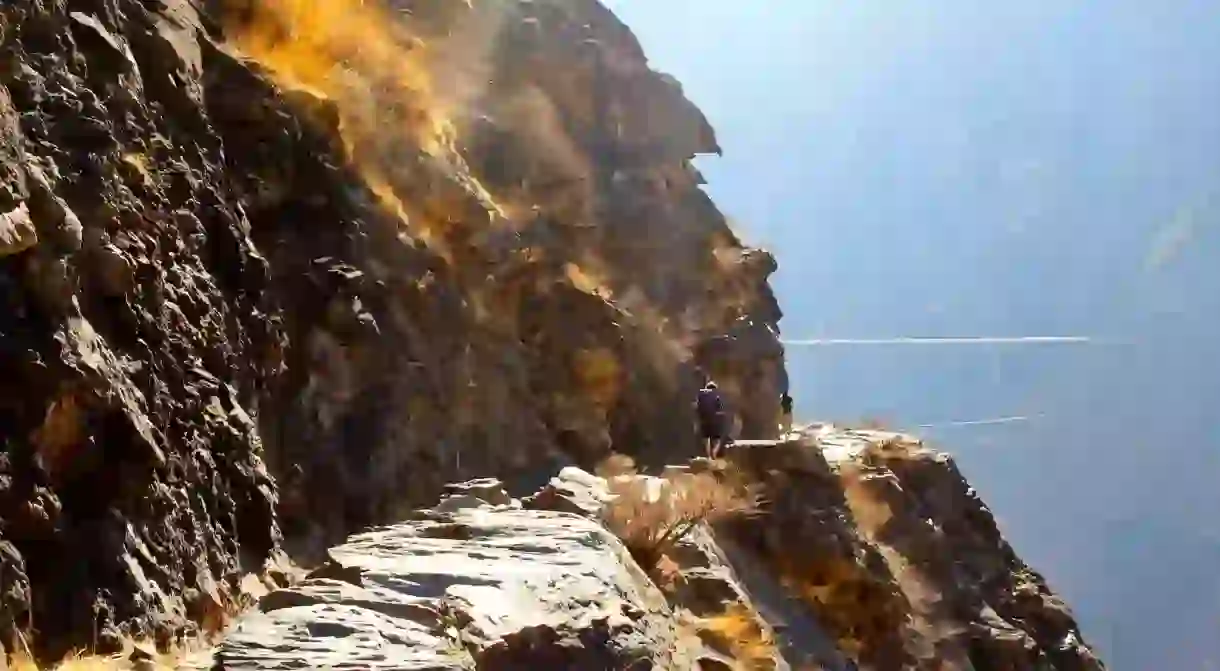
column 667, row 575
column 137, row 653
column 737, row 632
column 616, row 465
column 85, row 662
column 651, row 515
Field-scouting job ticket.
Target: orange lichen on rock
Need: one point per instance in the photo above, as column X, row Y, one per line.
column 363, row 60
column 599, row 375
column 351, row 52
column 864, row 614
column 61, row 434
column 738, row 632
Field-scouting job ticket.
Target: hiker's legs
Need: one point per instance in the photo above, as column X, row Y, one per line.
column 708, row 433
column 785, row 424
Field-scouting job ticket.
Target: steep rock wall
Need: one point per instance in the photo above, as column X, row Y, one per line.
column 266, row 267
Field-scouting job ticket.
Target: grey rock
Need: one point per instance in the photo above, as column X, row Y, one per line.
column 93, row 27
column 337, row 636
column 513, row 589
column 573, row 491
column 490, row 490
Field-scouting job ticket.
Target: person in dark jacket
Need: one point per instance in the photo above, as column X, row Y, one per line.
column 709, row 406
column 785, row 415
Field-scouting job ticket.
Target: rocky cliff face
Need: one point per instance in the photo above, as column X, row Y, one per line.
column 901, row 561
column 273, row 271
column 867, row 551
column 283, row 269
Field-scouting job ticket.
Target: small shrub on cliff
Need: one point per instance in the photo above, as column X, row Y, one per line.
column 651, row 515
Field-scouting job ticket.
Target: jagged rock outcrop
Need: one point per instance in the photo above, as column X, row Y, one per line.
column 476, row 582
column 822, row 576
column 868, row 549
column 887, row 544
column 283, row 269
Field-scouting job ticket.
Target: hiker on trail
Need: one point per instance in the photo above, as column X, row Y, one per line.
column 785, row 415
column 710, row 407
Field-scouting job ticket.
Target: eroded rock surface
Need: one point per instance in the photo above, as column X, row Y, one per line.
column 469, row 584
column 886, row 544
column 851, row 571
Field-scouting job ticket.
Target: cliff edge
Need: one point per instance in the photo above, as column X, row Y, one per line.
column 274, row 272
column 838, row 551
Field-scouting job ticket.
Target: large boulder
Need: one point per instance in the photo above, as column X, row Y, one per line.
column 468, row 584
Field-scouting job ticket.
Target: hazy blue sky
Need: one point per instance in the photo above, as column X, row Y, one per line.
column 1015, row 167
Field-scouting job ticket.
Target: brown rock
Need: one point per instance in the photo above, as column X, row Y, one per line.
column 886, row 543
